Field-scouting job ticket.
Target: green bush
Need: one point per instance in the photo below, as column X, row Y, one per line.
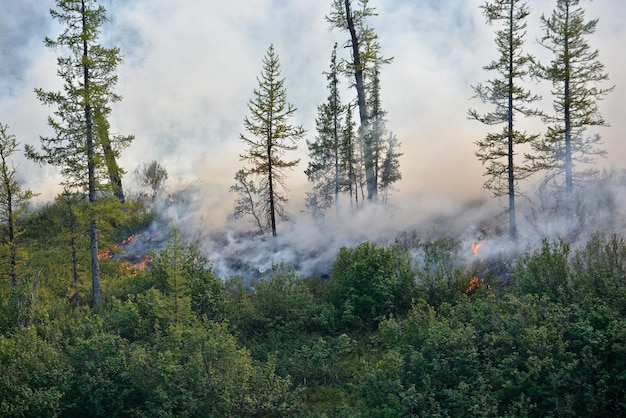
column 371, row 283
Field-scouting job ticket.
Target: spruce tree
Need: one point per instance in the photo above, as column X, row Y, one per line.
column 271, row 136
column 325, row 169
column 82, row 146
column 506, row 93
column 576, row 76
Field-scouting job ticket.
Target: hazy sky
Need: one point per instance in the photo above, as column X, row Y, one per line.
column 191, row 65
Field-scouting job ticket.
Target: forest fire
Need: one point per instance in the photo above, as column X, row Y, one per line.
column 106, row 253
column 475, row 247
column 131, row 252
column 474, row 284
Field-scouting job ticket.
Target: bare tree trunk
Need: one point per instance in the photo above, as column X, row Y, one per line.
column 113, row 168
column 511, row 173
column 93, row 230
column 270, row 178
column 569, row 179
column 372, row 187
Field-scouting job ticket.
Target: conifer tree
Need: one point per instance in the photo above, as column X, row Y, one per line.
column 510, row 99
column 82, row 146
column 349, row 159
column 576, row 76
column 13, row 202
column 366, row 59
column 325, row 170
column 390, row 167
column 271, row 136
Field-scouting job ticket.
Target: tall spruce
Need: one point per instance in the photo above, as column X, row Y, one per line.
column 510, row 98
column 271, row 136
column 366, row 58
column 82, row 146
column 576, row 76
column 326, row 167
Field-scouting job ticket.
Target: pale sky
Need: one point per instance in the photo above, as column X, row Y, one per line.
column 190, row 67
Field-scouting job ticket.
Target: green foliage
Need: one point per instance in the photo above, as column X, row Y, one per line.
column 599, row 270
column 371, row 283
column 173, row 340
column 32, row 376
column 439, row 272
column 279, row 314
column 182, row 273
column 546, row 271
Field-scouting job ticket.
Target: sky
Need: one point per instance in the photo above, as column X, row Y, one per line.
column 190, row 67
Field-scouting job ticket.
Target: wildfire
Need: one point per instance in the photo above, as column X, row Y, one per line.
column 107, row 253
column 129, row 263
column 476, row 246
column 475, row 283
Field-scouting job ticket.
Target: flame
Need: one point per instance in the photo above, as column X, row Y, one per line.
column 129, row 239
column 476, row 246
column 475, row 283
column 142, row 264
column 107, row 253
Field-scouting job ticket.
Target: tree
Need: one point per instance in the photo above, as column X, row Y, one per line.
column 390, row 167
column 271, row 136
column 349, row 148
column 366, row 59
column 576, row 75
column 152, row 177
column 13, row 203
column 497, row 150
column 325, row 170
column 82, row 146
column 247, row 198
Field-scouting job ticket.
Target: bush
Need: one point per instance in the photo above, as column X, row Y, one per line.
column 371, row 283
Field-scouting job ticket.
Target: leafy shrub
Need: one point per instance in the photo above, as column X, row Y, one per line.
column 546, row 271
column 371, row 283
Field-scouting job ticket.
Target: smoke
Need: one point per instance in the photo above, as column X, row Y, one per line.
column 310, row 246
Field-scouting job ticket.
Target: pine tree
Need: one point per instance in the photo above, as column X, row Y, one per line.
column 576, row 75
column 82, row 147
column 497, row 150
column 270, row 137
column 366, row 59
column 325, row 170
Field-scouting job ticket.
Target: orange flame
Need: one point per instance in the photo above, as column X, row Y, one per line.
column 105, row 254
column 476, row 246
column 474, row 284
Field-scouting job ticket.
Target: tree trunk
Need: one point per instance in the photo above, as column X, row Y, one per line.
column 512, row 222
column 270, row 178
column 113, row 168
column 370, row 179
column 93, row 230
column 569, row 180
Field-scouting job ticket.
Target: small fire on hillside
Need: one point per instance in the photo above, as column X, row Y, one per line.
column 133, row 251
column 476, row 247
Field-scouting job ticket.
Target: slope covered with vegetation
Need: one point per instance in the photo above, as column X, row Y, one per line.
column 409, row 329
